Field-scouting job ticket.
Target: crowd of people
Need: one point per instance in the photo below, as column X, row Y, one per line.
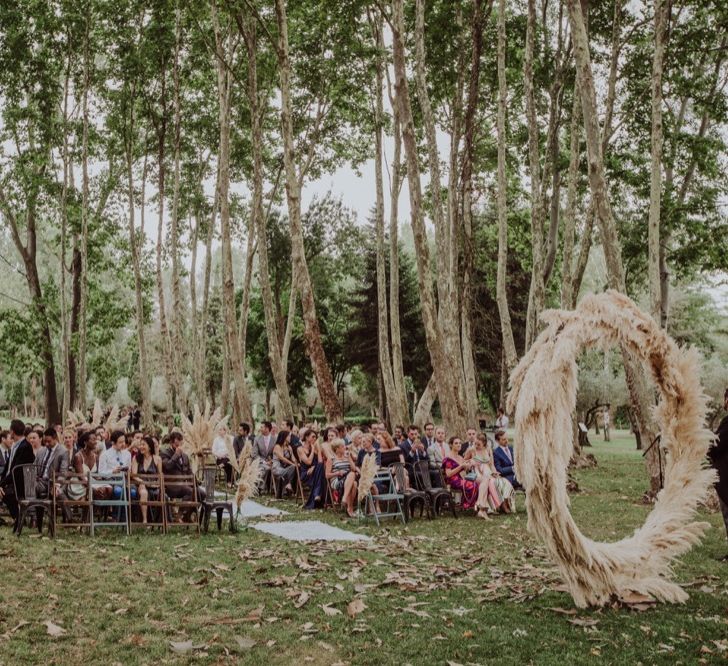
column 477, row 469
column 325, row 462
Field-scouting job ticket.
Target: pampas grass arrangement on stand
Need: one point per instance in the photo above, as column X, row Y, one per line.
column 543, row 399
column 369, row 469
column 248, row 483
column 199, row 433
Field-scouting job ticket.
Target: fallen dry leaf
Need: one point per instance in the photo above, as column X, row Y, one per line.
column 583, row 622
column 245, row 643
column 302, row 599
column 54, row 630
column 563, row 611
column 330, row 610
column 182, row 647
column 355, row 607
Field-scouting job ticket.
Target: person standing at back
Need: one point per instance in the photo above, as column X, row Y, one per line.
column 718, row 455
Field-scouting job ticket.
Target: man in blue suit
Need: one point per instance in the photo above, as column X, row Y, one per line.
column 503, row 459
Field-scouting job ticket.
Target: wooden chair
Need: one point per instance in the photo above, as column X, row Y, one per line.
column 211, row 503
column 67, row 506
column 389, row 496
column 182, row 505
column 439, row 497
column 156, row 505
column 121, row 504
column 411, row 496
column 30, row 500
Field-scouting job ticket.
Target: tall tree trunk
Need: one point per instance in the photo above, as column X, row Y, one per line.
column 654, row 254
column 390, row 407
column 65, row 335
column 284, row 408
column 445, row 240
column 567, row 269
column 163, row 327
column 641, row 396
column 466, row 306
column 84, row 225
column 177, row 318
column 423, row 410
column 536, row 295
column 241, row 407
column 447, row 380
column 314, row 345
column 509, row 346
column 394, row 312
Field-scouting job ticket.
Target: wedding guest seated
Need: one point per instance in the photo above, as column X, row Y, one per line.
column 146, row 462
column 263, row 449
column 436, row 453
column 368, row 447
column 176, row 462
column 54, row 460
column 413, row 448
column 284, row 462
column 503, row 458
column 496, row 492
column 312, row 469
column 222, row 454
column 241, row 438
column 35, row 439
column 456, row 471
column 341, row 476
column 354, row 445
column 6, row 443
column 115, row 460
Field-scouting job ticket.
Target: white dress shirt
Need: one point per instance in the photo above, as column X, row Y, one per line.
column 110, row 459
column 219, row 448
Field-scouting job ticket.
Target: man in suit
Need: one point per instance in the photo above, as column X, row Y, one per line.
column 241, row 438
column 718, row 455
column 176, row 462
column 21, row 453
column 53, row 459
column 413, row 450
column 429, row 437
column 503, row 458
column 263, row 448
column 6, row 444
column 436, row 453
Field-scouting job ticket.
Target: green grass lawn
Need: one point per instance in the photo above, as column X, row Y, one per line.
column 448, row 591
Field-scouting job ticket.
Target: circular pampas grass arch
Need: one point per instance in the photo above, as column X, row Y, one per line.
column 542, row 400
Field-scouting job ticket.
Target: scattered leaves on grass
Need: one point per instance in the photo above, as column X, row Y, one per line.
column 584, row 622
column 563, row 611
column 302, row 599
column 53, row 629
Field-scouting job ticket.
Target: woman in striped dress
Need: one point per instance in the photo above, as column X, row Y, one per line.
column 341, row 476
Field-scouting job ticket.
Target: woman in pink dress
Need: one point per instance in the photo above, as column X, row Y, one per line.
column 456, row 468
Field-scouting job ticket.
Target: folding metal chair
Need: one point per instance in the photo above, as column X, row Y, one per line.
column 156, row 506
column 389, row 496
column 171, row 481
column 121, row 503
column 72, row 484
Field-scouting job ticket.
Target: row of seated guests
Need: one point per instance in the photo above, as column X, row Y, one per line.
column 482, row 473
column 84, row 452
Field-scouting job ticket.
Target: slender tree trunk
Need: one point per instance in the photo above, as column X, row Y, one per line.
column 84, row 225
column 284, row 409
column 447, row 311
column 241, row 408
column 642, row 397
column 314, row 345
column 654, row 254
column 446, row 380
column 394, row 313
column 536, row 295
column 389, row 407
column 567, row 282
column 466, row 308
column 65, row 336
column 423, row 411
column 509, row 346
column 177, row 318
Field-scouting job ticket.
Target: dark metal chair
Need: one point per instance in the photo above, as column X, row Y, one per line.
column 439, row 497
column 29, row 500
column 411, row 496
column 211, row 503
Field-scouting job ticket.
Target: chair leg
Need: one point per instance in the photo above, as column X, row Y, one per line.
column 219, row 518
column 233, row 527
column 21, row 520
column 39, row 513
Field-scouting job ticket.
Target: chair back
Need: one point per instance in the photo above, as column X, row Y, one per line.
column 422, row 475
column 398, row 472
column 29, row 474
column 208, row 482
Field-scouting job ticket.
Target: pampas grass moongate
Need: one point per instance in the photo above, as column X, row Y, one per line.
column 542, row 400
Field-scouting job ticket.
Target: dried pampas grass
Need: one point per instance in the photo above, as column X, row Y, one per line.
column 77, row 419
column 199, row 433
column 369, row 469
column 543, row 398
column 248, row 482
